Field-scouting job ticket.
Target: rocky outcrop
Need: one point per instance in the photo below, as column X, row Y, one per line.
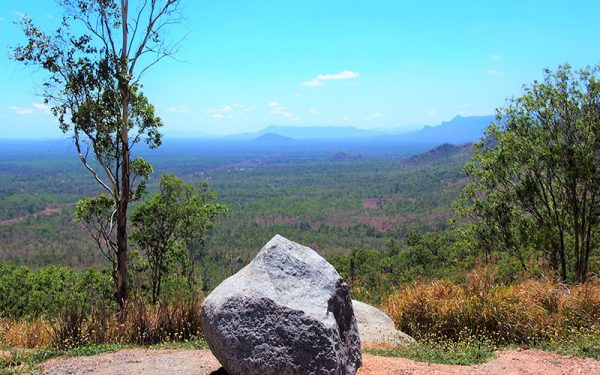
column 287, row 312
column 375, row 327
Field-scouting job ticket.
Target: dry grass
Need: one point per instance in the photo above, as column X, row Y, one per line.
column 139, row 323
column 526, row 312
column 34, row 334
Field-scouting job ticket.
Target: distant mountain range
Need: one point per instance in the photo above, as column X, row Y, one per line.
column 272, row 138
column 343, row 143
column 456, row 131
column 320, row 132
column 310, row 132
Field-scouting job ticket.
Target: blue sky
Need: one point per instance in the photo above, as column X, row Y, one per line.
column 247, row 64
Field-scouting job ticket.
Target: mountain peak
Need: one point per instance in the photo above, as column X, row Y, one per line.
column 272, row 138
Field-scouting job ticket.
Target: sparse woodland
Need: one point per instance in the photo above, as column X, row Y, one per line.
column 492, row 244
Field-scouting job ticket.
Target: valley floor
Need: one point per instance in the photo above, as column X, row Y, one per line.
column 154, row 362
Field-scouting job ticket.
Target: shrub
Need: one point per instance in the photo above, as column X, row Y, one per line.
column 33, row 294
column 139, row 323
column 531, row 311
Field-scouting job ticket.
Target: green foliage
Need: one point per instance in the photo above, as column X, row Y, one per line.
column 45, row 292
column 535, row 185
column 141, row 169
column 471, row 351
column 91, row 91
column 92, row 210
column 464, row 353
column 93, row 86
column 579, row 344
column 171, row 227
column 420, row 256
column 98, row 217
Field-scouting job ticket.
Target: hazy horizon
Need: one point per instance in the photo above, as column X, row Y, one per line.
column 177, row 135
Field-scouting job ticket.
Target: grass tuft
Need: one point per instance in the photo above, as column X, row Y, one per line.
column 582, row 345
column 463, row 353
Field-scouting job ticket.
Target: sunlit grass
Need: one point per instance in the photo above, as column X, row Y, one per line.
column 467, row 352
column 530, row 312
column 582, row 345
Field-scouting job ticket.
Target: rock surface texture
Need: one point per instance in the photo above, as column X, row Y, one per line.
column 287, row 312
column 375, row 327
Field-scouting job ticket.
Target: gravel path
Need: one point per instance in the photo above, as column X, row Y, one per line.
column 137, row 361
column 200, row 362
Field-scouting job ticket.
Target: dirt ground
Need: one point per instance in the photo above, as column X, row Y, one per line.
column 154, row 362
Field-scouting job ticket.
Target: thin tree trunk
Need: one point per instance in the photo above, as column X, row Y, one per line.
column 563, row 262
column 158, row 282
column 122, row 284
column 123, row 292
column 581, row 272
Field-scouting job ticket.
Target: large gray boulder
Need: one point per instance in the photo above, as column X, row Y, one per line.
column 376, row 328
column 287, row 312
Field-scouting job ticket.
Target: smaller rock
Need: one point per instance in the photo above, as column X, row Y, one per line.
column 375, row 327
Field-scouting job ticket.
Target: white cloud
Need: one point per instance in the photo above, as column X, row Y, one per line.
column 22, row 110
column 318, row 80
column 346, row 74
column 374, row 116
column 312, row 83
column 223, row 109
column 243, row 107
column 279, row 110
column 227, row 111
column 431, row 113
column 36, row 108
column 179, row 110
column 314, row 111
column 493, row 72
column 41, row 107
